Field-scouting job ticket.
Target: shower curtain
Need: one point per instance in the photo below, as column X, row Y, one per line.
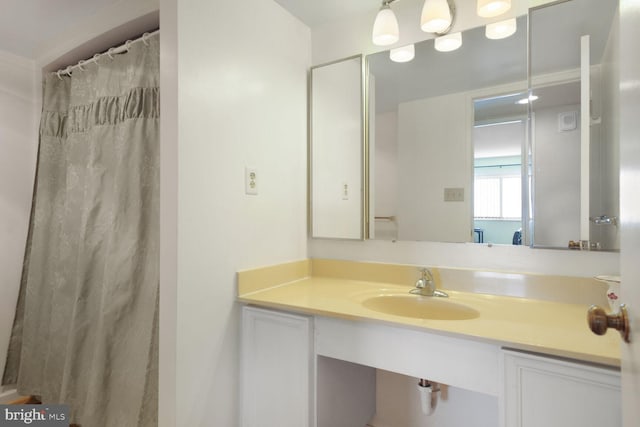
column 85, row 332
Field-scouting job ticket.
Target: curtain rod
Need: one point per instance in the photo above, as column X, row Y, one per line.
column 124, row 47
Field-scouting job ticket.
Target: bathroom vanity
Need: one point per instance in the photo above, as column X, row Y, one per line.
column 535, row 357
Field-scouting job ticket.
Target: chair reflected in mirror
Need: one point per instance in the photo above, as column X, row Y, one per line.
column 517, row 237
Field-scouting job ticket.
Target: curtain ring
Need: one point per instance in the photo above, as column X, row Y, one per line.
column 58, row 74
column 127, row 45
column 80, row 64
column 145, row 39
column 67, row 71
column 96, row 57
column 110, row 52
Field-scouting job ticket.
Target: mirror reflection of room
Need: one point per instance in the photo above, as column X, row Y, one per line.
column 575, row 145
column 433, row 179
column 421, row 121
column 499, row 136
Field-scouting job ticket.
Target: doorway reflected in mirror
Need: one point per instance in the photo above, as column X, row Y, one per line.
column 499, row 137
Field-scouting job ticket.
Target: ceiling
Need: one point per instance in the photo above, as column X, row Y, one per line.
column 316, row 12
column 26, row 24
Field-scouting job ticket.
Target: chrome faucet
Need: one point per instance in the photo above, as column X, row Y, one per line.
column 426, row 286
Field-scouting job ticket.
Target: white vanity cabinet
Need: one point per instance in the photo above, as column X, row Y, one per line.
column 280, row 354
column 277, row 367
column 543, row 391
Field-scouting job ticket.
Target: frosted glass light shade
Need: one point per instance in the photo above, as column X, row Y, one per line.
column 385, row 27
column 501, row 30
column 448, row 42
column 403, row 54
column 491, row 8
column 436, row 16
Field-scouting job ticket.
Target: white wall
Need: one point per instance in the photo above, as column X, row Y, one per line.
column 18, row 149
column 506, row 258
column 398, row 405
column 385, row 174
column 499, row 140
column 434, row 153
column 345, row 393
column 242, row 101
column 168, row 321
column 557, row 179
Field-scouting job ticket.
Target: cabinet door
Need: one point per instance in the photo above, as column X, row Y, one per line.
column 542, row 391
column 277, row 367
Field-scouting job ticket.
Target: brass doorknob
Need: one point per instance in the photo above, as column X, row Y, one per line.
column 600, row 321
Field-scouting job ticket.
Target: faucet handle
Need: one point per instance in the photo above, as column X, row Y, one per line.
column 426, row 275
column 426, row 285
column 425, row 280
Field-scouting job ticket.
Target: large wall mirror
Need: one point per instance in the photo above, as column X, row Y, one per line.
column 456, row 155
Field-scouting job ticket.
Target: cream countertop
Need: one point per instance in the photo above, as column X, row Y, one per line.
column 543, row 326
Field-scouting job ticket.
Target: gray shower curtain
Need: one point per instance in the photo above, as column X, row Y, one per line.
column 85, row 332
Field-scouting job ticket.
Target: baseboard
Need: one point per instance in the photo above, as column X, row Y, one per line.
column 9, row 396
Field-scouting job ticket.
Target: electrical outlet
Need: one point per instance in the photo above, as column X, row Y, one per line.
column 345, row 191
column 454, row 194
column 250, row 181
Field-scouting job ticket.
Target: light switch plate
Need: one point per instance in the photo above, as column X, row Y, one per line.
column 454, row 194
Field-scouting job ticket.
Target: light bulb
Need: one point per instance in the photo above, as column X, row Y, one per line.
column 403, row 54
column 524, row 101
column 385, row 27
column 436, row 16
column 501, row 30
column 448, row 42
column 491, row 8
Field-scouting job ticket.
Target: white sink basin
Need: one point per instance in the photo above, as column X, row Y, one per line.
column 420, row 307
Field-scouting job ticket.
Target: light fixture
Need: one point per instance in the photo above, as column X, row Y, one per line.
column 501, row 30
column 491, row 8
column 524, row 101
column 403, row 54
column 385, row 27
column 437, row 16
column 448, row 42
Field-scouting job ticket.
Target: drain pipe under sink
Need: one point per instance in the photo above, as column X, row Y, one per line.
column 429, row 394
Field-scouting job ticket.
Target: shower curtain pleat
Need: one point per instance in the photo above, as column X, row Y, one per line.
column 85, row 332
